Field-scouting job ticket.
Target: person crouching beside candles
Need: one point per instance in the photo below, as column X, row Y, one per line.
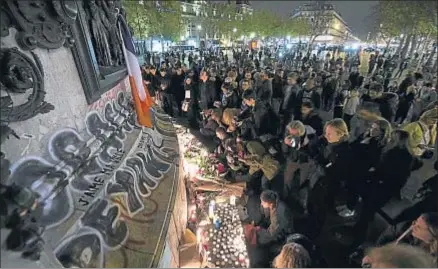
column 271, row 237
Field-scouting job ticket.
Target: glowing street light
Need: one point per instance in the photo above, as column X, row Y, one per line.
column 199, row 27
column 234, row 30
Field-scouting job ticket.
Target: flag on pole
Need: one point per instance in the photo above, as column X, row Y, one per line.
column 142, row 99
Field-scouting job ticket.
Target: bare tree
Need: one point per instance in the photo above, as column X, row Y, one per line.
column 320, row 22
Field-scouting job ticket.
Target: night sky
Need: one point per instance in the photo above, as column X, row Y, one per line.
column 355, row 13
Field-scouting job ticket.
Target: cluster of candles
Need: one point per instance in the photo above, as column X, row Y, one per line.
column 226, row 242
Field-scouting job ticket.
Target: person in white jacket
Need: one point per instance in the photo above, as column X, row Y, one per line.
column 350, row 107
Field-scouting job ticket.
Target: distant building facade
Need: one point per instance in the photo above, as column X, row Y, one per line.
column 337, row 31
column 194, row 10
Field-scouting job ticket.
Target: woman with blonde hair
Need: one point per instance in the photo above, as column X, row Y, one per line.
column 228, row 118
column 333, row 160
column 292, row 255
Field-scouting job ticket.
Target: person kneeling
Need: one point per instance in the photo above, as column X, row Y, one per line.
column 271, row 237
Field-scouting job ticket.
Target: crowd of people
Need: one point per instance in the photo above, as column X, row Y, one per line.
column 313, row 138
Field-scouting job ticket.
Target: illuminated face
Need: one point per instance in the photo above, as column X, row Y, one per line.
column 375, row 130
column 245, row 86
column 249, row 102
column 420, row 230
column 291, row 81
column 305, row 110
column 265, row 205
column 331, row 135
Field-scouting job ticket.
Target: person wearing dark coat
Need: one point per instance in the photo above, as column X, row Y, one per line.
column 406, row 100
column 311, row 118
column 295, row 149
column 386, row 180
column 291, row 105
column 264, row 90
column 277, row 91
column 207, row 92
column 151, row 81
column 230, row 98
column 177, row 88
column 332, row 157
column 262, row 119
column 366, row 151
column 192, row 98
column 309, row 94
column 354, row 79
column 273, row 229
column 328, row 92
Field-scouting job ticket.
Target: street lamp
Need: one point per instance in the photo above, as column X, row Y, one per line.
column 199, row 27
column 234, row 30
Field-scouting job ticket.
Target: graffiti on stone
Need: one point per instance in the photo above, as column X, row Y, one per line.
column 81, row 250
column 105, row 219
column 125, row 184
column 49, row 183
column 81, row 164
column 89, row 171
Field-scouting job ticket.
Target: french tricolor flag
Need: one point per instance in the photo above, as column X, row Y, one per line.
column 142, row 100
